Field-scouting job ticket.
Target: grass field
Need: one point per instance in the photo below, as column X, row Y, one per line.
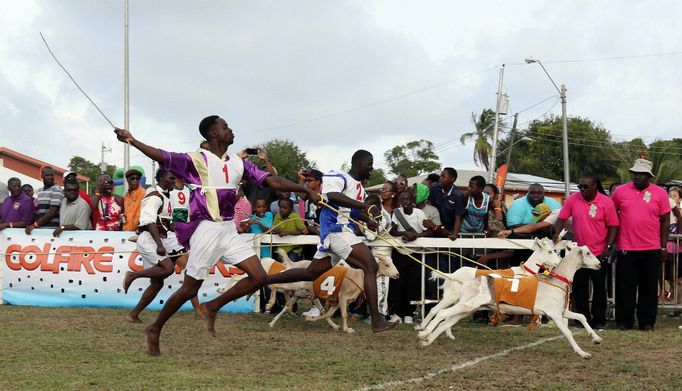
column 72, row 348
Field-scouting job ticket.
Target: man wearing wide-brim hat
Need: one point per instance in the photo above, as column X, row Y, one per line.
column 644, row 218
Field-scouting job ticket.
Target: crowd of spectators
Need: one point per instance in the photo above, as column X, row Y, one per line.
column 629, row 225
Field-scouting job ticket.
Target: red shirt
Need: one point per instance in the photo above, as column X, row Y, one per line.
column 591, row 220
column 640, row 216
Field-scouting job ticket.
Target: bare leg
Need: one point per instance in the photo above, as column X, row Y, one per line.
column 362, row 257
column 161, row 270
column 155, row 285
column 316, row 268
column 256, row 279
column 188, row 290
column 197, row 308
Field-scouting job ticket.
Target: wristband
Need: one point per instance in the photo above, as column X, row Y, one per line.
column 36, row 224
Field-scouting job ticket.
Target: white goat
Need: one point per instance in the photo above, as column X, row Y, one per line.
column 551, row 300
column 350, row 289
column 543, row 255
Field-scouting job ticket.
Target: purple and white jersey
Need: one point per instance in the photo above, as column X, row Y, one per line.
column 213, row 183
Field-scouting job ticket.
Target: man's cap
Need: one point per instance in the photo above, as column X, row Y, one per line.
column 643, row 165
column 421, row 193
column 67, row 173
column 133, row 171
column 540, row 211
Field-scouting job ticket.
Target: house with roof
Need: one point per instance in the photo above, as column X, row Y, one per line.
column 27, row 169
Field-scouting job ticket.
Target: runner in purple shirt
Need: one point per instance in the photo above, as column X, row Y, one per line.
column 212, row 175
column 17, row 209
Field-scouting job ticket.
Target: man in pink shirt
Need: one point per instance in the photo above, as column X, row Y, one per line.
column 595, row 224
column 644, row 218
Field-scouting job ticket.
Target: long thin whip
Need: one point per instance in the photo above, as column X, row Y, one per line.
column 75, row 82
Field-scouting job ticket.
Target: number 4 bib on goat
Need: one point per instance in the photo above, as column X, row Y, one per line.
column 328, row 285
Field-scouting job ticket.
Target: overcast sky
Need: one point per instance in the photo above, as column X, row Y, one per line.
column 331, row 76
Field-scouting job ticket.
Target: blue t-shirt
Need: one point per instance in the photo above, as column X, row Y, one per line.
column 520, row 211
column 266, row 220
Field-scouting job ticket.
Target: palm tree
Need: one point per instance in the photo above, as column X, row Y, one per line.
column 482, row 136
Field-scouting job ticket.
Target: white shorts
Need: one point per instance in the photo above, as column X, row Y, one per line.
column 146, row 247
column 338, row 246
column 212, row 242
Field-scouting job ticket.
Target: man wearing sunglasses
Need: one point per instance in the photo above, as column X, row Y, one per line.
column 595, row 224
column 133, row 199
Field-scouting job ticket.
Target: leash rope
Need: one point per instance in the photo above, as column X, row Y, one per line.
column 387, row 238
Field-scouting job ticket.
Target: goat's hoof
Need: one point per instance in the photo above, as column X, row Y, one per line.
column 585, row 355
column 423, row 344
column 418, row 327
column 422, row 335
column 349, row 330
column 271, row 325
column 597, row 339
column 452, row 337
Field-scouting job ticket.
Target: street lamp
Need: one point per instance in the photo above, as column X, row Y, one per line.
column 562, row 93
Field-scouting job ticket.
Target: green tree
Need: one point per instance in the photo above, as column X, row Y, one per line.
column 411, row 159
column 286, row 157
column 482, row 136
column 378, row 176
column 590, row 149
column 664, row 154
column 83, row 166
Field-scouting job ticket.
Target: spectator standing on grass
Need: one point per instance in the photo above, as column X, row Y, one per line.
column 289, row 223
column 476, row 216
column 107, row 207
column 72, row 176
column 445, row 196
column 496, row 211
column 133, row 200
column 16, row 211
column 521, row 210
column 74, row 213
column 595, row 224
column 49, row 201
column 642, row 243
column 408, row 223
column 675, row 194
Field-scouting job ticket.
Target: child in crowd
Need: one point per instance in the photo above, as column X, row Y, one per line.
column 408, row 223
column 289, row 223
column 260, row 222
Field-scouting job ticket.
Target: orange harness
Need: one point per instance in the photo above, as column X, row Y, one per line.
column 328, row 285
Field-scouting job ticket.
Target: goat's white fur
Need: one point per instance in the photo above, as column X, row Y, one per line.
column 476, row 294
column 543, row 255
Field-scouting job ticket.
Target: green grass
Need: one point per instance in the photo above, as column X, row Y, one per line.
column 76, row 348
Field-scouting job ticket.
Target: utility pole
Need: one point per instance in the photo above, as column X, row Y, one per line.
column 567, row 173
column 509, row 150
column 493, row 155
column 102, row 164
column 126, row 116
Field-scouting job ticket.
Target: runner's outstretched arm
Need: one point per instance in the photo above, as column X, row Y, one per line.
column 283, row 184
column 125, row 136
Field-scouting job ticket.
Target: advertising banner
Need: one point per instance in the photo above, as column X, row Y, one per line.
column 86, row 269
